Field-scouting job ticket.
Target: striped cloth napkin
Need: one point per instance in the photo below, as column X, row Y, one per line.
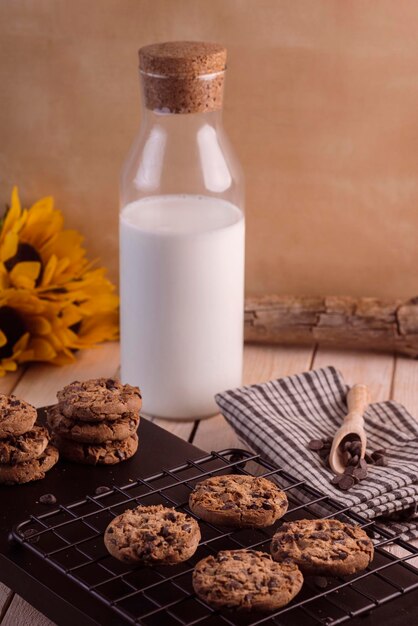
column 277, row 419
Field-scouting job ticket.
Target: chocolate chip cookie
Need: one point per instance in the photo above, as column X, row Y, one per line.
column 29, row 470
column 328, row 547
column 107, row 453
column 246, row 579
column 99, row 399
column 92, row 432
column 16, row 416
column 152, row 535
column 20, row 448
column 238, row 500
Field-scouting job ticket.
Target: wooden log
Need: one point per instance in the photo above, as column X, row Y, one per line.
column 334, row 321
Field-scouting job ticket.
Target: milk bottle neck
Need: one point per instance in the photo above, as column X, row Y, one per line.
column 187, row 124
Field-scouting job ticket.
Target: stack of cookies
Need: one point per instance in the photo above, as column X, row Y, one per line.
column 25, row 451
column 95, row 421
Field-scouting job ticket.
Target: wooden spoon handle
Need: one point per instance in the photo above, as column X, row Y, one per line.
column 358, row 399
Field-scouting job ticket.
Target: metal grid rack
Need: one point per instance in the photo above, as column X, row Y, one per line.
column 70, row 539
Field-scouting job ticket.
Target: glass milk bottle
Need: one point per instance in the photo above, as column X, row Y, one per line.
column 182, row 237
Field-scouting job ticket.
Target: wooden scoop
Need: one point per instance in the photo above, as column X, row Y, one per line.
column 357, row 401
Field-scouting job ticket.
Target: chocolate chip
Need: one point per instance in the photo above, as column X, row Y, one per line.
column 355, row 459
column 360, row 473
column 48, row 498
column 110, row 384
column 233, row 584
column 320, row 535
column 186, row 527
column 346, row 457
column 336, row 479
column 267, row 506
column 170, row 517
column 315, row 444
column 228, row 505
column 320, row 582
column 165, row 531
column 149, row 537
column 346, row 482
column 102, row 489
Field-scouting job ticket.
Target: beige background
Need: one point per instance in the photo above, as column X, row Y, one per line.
column 321, row 104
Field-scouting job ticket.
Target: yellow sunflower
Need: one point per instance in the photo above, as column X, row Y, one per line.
column 53, row 301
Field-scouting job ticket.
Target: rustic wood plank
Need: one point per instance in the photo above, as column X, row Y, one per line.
column 334, row 321
column 9, row 382
column 41, row 382
column 261, row 363
column 405, row 384
column 20, row 613
column 6, row 595
column 373, row 370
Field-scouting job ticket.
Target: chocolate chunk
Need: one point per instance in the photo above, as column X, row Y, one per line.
column 165, row 531
column 233, row 584
column 349, row 470
column 48, row 498
column 346, row 457
column 320, row 535
column 315, row 444
column 323, row 452
column 102, row 489
column 381, row 461
column 360, row 473
column 346, row 482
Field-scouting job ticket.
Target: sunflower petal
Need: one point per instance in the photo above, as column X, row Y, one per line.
column 24, row 274
column 8, row 246
column 13, row 213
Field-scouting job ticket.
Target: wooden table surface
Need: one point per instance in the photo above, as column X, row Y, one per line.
column 387, row 376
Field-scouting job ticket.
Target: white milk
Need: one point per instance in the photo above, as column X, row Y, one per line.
column 182, row 301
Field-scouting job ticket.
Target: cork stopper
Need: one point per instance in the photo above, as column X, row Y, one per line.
column 183, row 76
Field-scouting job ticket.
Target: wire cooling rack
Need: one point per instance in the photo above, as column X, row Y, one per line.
column 70, row 539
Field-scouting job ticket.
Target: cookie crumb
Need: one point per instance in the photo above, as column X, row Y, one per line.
column 48, row 498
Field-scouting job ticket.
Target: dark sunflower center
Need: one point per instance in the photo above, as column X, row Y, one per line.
column 25, row 252
column 12, row 326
